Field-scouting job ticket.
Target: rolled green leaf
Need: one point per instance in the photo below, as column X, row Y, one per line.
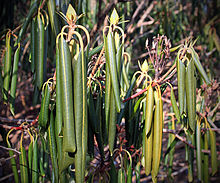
column 149, row 109
column 148, row 153
column 7, row 67
column 35, row 170
column 14, row 80
column 112, row 123
column 44, row 111
column 118, row 60
column 69, row 142
column 58, row 124
column 108, row 88
column 125, row 76
column 30, row 156
column 52, row 146
column 110, row 54
column 45, row 52
column 58, row 118
column 181, row 85
column 51, row 4
column 39, row 53
column 80, row 112
column 190, row 94
column 199, row 66
column 157, row 132
column 23, row 163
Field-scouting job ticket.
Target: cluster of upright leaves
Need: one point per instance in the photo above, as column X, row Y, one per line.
column 39, row 44
column 105, row 112
column 187, row 84
column 113, row 53
column 71, row 96
column 10, row 71
column 187, row 62
column 152, row 123
column 33, row 167
column 152, row 135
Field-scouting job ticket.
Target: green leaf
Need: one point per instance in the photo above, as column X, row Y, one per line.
column 53, row 16
column 199, row 66
column 23, row 163
column 110, row 54
column 35, row 170
column 190, row 95
column 80, row 114
column 69, row 138
column 44, row 111
column 181, row 85
column 52, row 146
column 149, row 109
column 7, row 67
column 14, row 80
column 112, row 123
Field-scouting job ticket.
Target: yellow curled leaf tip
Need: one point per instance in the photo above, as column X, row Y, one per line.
column 114, row 19
column 83, row 14
column 169, row 84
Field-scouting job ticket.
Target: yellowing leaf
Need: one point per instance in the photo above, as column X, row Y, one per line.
column 145, row 66
column 114, row 19
column 71, row 13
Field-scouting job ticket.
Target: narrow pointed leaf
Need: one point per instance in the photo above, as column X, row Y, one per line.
column 14, row 79
column 69, row 144
column 111, row 61
column 181, row 84
column 190, row 94
column 7, row 67
column 199, row 66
